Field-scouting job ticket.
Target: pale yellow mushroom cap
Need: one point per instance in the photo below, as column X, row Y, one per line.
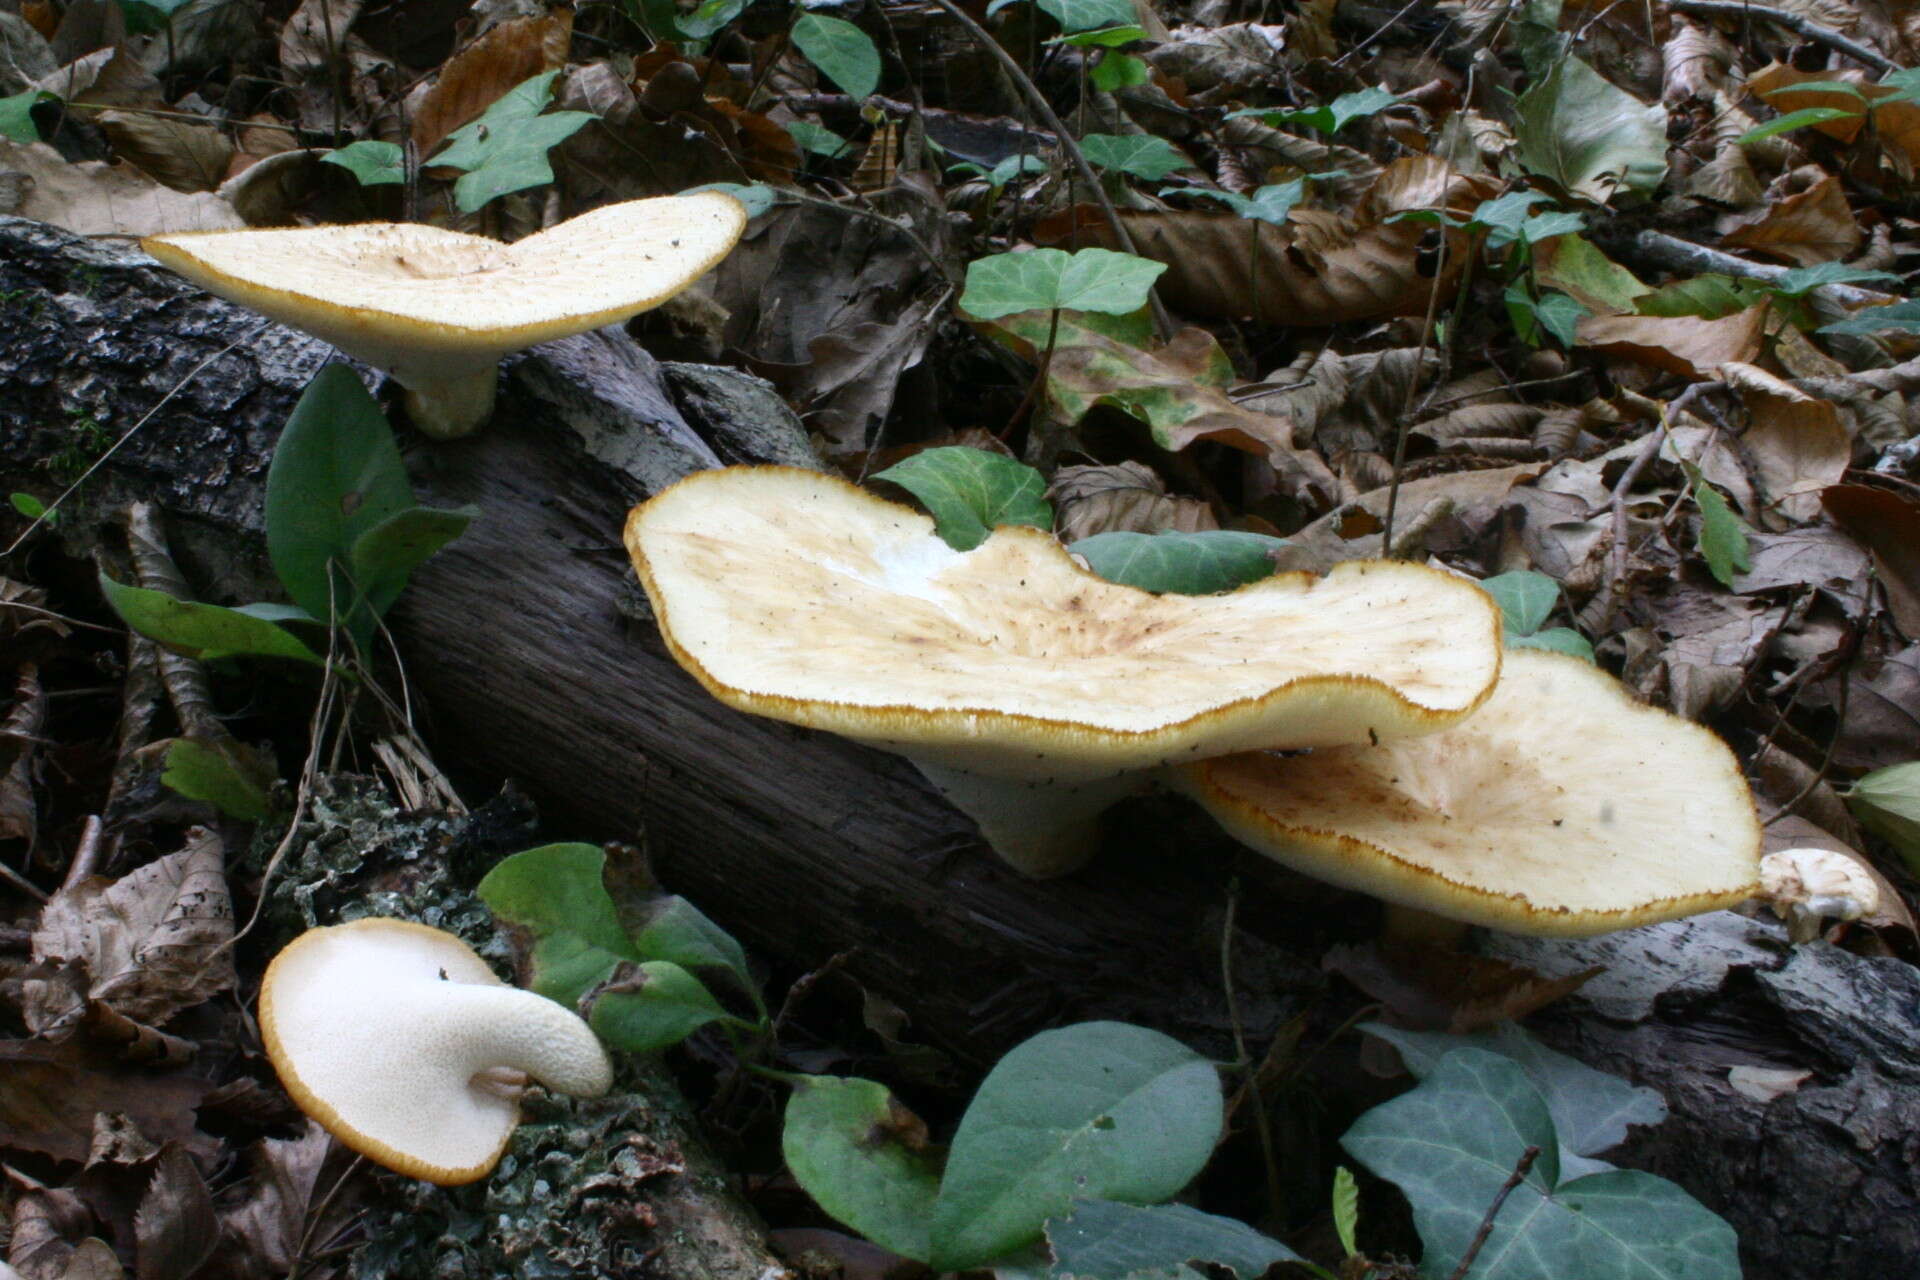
column 1010, row 669
column 1561, row 807
column 438, row 309
column 378, row 1029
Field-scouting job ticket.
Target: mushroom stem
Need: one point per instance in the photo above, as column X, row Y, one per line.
column 451, row 407
column 524, row 1032
column 1411, row 927
column 1044, row 829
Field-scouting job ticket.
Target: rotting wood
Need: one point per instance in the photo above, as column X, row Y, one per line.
column 527, row 644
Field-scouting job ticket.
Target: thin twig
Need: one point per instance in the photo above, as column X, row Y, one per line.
column 1162, row 322
column 1791, row 21
column 1514, row 1179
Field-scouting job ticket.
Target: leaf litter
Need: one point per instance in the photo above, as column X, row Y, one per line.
column 1342, row 375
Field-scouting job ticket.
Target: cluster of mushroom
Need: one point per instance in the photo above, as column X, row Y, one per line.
column 1524, row 791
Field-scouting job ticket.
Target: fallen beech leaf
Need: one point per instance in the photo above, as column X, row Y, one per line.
column 96, row 199
column 1795, row 440
column 1124, row 498
column 19, row 748
column 183, row 156
column 50, row 1094
column 268, row 1227
column 1888, row 524
column 480, row 74
column 1807, row 227
column 153, row 942
column 1686, row 345
column 175, row 1230
column 1429, row 988
column 1318, row 269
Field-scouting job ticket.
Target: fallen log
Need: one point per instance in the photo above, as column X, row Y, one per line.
column 529, row 647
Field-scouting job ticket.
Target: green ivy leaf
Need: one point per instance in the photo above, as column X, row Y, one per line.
column 1346, row 1209
column 1189, row 564
column 373, row 164
column 207, row 772
column 202, row 630
column 1048, row 279
column 557, row 893
column 863, row 1157
column 1144, row 155
column 1591, row 1110
column 1329, row 118
column 505, row 150
column 1723, row 537
column 1574, row 127
column 1793, row 120
column 1887, row 801
column 1117, row 71
column 1451, row 1145
column 1089, row 15
column 842, row 51
column 1271, row 203
column 16, row 114
column 1557, row 640
column 1104, row 1240
column 673, row 929
column 707, row 19
column 1105, row 38
column 1900, row 317
column 335, row 475
column 383, row 556
column 755, row 197
column 1711, row 297
column 970, row 492
column 1797, row 282
column 32, row 508
column 1100, row 1109
column 1525, row 598
column 648, row 1007
column 816, row 139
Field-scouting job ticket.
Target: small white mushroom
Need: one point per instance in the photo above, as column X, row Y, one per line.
column 402, row 1042
column 1806, row 887
column 437, row 309
column 1032, row 693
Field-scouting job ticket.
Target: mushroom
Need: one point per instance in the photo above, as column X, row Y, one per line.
column 1028, row 690
column 1561, row 807
column 437, row 309
column 405, row 1046
column 1808, row 886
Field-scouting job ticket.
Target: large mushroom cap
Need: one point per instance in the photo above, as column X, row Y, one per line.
column 432, row 307
column 801, row 597
column 378, row 1029
column 1561, row 807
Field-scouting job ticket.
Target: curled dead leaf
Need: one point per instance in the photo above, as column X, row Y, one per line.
column 1686, row 345
column 1124, row 498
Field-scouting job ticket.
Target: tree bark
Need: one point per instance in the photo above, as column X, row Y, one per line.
column 529, row 645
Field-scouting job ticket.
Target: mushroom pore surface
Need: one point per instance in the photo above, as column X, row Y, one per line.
column 378, row 1029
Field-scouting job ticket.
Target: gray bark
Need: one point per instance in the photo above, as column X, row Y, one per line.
column 529, row 646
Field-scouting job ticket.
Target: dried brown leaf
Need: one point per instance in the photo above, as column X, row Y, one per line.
column 1124, row 498
column 312, row 39
column 1435, row 989
column 153, row 942
column 109, row 77
column 183, row 156
column 1883, row 712
column 92, row 198
column 1888, row 525
column 19, row 750
column 1694, row 61
column 476, row 77
column 175, row 1229
column 50, row 1094
column 1810, row 226
column 1686, row 345
column 268, row 1227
